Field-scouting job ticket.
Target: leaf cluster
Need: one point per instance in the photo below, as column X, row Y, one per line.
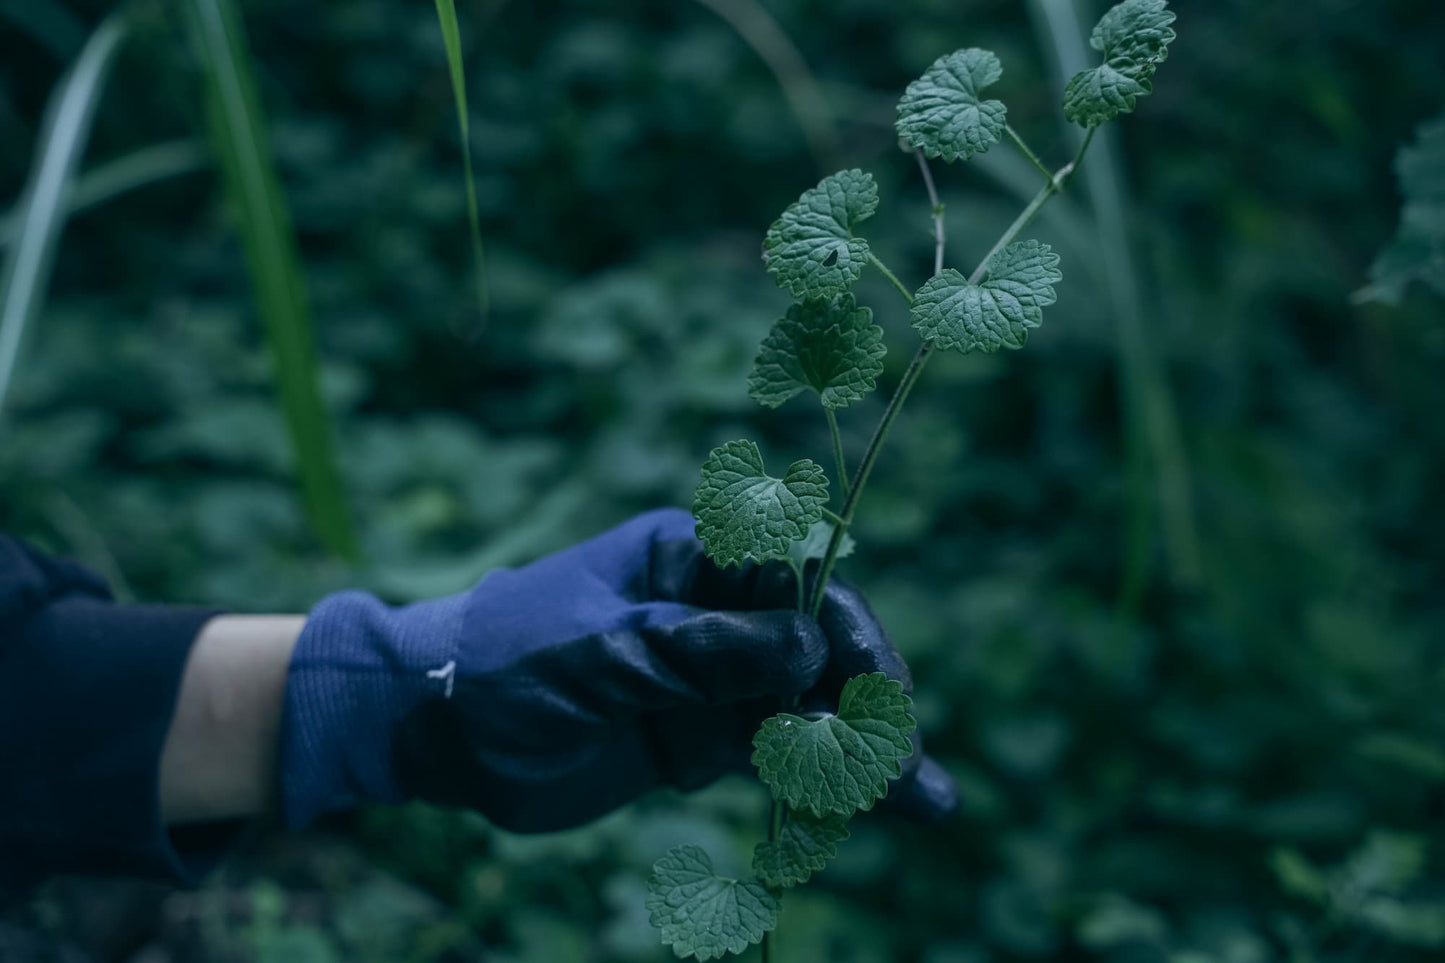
column 823, row 768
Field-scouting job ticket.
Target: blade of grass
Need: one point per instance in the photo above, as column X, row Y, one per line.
column 775, row 48
column 1158, row 464
column 122, row 175
column 452, row 38
column 41, row 211
column 243, row 154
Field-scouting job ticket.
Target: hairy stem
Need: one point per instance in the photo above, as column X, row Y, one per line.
column 938, row 238
column 1056, row 183
column 907, row 294
column 865, row 467
column 1033, row 158
column 838, row 450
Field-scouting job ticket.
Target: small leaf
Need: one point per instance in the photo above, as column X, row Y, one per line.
column 803, row 847
column 832, row 347
column 995, row 313
column 1134, row 38
column 811, row 250
column 941, row 113
column 742, row 513
column 840, row 763
column 1417, row 252
column 815, row 544
column 705, row 915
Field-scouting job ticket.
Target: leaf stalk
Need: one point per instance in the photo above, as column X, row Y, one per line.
column 1027, row 152
column 938, row 236
column 907, row 294
column 838, row 451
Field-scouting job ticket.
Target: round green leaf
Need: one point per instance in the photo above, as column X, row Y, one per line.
column 832, row 347
column 803, row 847
column 995, row 313
column 811, row 250
column 742, row 513
column 841, row 763
column 702, row 914
column 941, row 113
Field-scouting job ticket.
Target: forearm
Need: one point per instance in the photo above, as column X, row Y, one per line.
column 220, row 754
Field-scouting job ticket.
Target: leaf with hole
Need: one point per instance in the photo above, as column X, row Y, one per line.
column 840, row 763
column 702, row 914
column 811, row 249
column 942, row 113
column 831, row 347
column 1134, row 37
column 743, row 513
column 804, row 846
column 995, row 313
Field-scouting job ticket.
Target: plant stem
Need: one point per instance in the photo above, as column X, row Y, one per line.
column 915, row 368
column 907, row 294
column 938, row 237
column 838, row 450
column 1033, row 158
column 865, row 467
column 1056, row 183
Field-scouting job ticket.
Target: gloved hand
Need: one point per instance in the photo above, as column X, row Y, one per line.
column 551, row 694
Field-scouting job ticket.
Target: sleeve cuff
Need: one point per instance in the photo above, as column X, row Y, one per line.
column 94, row 689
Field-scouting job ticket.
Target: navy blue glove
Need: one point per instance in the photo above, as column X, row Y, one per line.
column 551, row 694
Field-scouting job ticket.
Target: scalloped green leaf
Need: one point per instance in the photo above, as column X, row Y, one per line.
column 811, row 250
column 1417, row 252
column 705, row 915
column 942, row 114
column 840, row 763
column 832, row 347
column 743, row 513
column 1134, row 37
column 803, row 847
column 995, row 313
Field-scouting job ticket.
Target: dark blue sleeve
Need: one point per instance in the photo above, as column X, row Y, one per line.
column 87, row 690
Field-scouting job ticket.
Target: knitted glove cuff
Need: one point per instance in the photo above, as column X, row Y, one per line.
column 359, row 667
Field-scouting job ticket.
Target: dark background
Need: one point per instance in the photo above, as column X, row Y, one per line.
column 1170, row 579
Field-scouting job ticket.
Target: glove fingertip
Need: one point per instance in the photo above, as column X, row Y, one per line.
column 930, row 796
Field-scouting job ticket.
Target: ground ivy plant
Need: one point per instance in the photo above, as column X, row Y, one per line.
column 822, row 768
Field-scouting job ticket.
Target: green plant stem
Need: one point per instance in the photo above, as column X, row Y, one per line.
column 838, row 450
column 938, row 236
column 1027, row 152
column 907, row 294
column 915, row 368
column 865, row 468
column 778, row 811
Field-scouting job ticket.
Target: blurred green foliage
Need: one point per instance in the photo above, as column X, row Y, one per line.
column 1244, row 768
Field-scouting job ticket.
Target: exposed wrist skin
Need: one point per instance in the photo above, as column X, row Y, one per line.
column 220, row 755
